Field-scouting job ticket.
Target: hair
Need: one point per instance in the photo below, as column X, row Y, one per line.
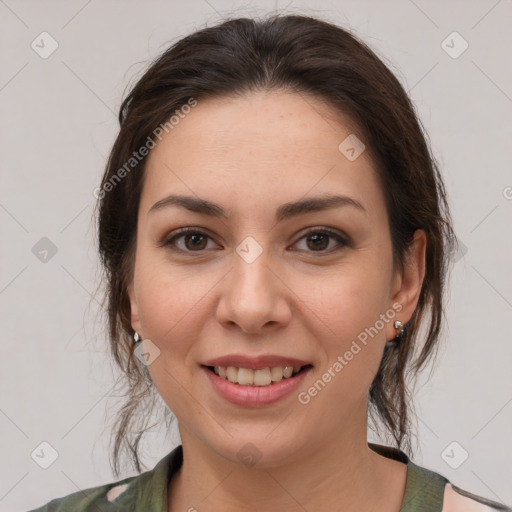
column 309, row 56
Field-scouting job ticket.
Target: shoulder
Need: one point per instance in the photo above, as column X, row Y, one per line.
column 458, row 500
column 429, row 490
column 94, row 498
column 144, row 492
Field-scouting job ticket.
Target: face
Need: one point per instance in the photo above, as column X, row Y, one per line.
column 260, row 283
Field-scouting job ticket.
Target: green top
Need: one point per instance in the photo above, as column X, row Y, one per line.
column 147, row 492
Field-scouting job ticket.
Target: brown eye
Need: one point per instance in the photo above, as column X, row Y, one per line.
column 320, row 240
column 194, row 242
column 188, row 240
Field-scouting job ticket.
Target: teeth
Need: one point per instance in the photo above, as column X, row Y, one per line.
column 232, row 374
column 263, row 377
column 245, row 377
column 276, row 373
column 287, row 371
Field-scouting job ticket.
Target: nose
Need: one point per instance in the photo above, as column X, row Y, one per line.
column 254, row 298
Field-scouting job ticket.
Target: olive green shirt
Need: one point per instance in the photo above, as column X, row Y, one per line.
column 147, row 492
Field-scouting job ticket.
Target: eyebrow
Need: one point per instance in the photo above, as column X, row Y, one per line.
column 285, row 211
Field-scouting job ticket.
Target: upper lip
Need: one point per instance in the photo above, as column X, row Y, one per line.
column 254, row 363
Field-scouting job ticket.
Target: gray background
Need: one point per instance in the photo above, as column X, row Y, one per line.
column 58, row 121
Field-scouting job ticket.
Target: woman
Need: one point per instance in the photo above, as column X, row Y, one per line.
column 274, row 232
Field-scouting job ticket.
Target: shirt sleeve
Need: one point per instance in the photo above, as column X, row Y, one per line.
column 95, row 499
column 459, row 500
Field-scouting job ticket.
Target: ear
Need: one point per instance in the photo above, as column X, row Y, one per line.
column 134, row 309
column 407, row 284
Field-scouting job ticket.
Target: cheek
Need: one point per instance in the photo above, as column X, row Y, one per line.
column 171, row 304
column 350, row 305
column 350, row 300
column 167, row 299
column 169, row 307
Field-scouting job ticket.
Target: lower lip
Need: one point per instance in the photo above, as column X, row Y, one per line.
column 255, row 396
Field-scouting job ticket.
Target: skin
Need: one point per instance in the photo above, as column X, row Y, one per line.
column 251, row 154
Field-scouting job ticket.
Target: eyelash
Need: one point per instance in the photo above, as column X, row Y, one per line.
column 170, row 241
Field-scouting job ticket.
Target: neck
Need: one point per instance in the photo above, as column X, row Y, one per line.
column 319, row 478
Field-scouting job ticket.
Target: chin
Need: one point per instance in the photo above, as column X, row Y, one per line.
column 258, row 449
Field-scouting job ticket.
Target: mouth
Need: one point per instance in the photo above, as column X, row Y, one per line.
column 267, row 376
column 260, row 381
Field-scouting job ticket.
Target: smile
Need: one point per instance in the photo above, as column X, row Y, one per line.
column 255, row 381
column 262, row 377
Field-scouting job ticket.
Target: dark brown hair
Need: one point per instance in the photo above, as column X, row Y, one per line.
column 307, row 56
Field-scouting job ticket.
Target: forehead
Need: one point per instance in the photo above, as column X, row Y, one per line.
column 258, row 148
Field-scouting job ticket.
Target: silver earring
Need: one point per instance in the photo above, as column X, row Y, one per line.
column 136, row 337
column 399, row 326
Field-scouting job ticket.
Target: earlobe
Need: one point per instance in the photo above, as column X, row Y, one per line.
column 134, row 310
column 411, row 279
